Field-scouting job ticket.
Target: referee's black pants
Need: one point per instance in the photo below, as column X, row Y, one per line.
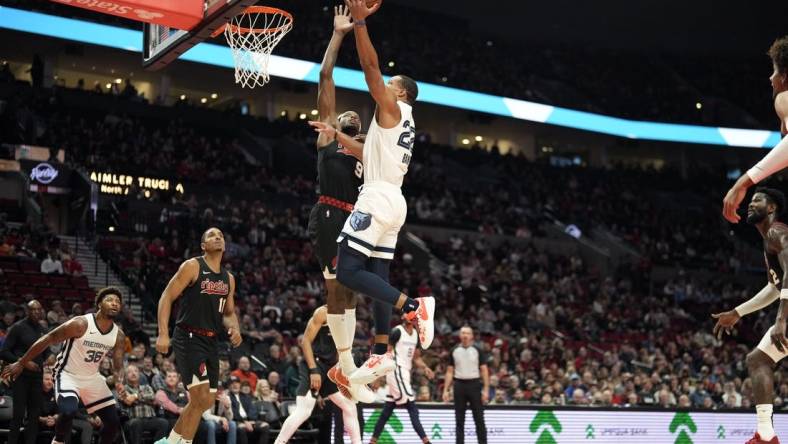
column 28, row 394
column 469, row 391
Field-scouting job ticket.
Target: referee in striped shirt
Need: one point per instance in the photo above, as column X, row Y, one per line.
column 468, row 371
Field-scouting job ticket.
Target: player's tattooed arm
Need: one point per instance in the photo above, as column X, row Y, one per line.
column 230, row 318
column 73, row 328
column 117, row 357
column 778, row 239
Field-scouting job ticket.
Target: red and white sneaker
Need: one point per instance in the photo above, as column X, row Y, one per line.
column 757, row 440
column 353, row 392
column 425, row 316
column 374, row 367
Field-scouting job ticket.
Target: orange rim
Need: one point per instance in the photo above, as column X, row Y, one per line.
column 256, row 10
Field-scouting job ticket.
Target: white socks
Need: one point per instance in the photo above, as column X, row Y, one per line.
column 349, row 366
column 765, row 426
column 339, row 331
column 175, row 438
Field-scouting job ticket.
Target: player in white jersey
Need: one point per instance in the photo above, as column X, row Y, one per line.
column 369, row 237
column 777, row 158
column 87, row 340
column 404, row 341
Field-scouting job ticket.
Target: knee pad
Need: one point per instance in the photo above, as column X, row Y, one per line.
column 67, row 406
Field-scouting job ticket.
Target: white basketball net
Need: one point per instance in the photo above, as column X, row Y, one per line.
column 252, row 35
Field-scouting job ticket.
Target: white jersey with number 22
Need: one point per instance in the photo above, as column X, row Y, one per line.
column 387, row 151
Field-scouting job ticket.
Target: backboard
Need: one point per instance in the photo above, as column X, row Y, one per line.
column 162, row 44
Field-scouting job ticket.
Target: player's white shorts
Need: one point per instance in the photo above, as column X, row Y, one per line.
column 92, row 390
column 398, row 382
column 767, row 346
column 377, row 217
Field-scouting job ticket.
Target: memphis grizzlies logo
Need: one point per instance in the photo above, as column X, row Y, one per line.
column 360, row 221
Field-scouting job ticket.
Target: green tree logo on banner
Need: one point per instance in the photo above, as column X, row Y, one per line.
column 590, row 432
column 436, row 431
column 385, row 438
column 682, row 423
column 551, row 425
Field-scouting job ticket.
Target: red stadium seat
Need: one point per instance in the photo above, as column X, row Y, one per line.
column 39, row 280
column 48, row 292
column 60, row 281
column 80, row 282
column 30, row 267
column 23, row 290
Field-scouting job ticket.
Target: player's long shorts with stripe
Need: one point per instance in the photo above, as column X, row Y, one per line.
column 398, row 383
column 92, row 390
column 377, row 217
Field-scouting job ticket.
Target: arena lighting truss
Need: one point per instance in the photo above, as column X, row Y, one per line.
column 212, row 54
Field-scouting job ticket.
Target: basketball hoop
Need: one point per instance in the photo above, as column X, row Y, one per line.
column 252, row 35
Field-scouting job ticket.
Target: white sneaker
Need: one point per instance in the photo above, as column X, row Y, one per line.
column 353, row 392
column 361, row 393
column 374, row 367
column 425, row 315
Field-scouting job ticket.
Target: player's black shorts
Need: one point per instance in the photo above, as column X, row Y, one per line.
column 327, row 388
column 196, row 358
column 325, row 224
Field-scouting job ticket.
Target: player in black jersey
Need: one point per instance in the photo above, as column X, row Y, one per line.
column 207, row 306
column 764, row 211
column 320, row 354
column 339, row 176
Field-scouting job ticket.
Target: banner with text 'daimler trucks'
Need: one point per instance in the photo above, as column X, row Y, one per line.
column 574, row 426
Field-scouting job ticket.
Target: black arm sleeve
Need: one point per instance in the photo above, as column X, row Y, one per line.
column 394, row 336
column 451, row 356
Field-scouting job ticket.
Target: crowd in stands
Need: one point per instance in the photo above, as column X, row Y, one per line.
column 588, row 337
column 653, row 87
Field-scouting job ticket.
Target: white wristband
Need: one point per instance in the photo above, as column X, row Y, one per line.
column 784, row 293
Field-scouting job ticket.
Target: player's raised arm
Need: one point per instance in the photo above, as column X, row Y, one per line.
column 230, row 318
column 73, row 328
column 326, row 91
column 777, row 159
column 388, row 112
column 185, row 276
column 352, row 144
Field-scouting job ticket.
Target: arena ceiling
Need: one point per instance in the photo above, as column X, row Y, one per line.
column 695, row 26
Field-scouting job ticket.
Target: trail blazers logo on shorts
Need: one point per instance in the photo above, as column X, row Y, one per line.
column 203, row 370
column 360, row 221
